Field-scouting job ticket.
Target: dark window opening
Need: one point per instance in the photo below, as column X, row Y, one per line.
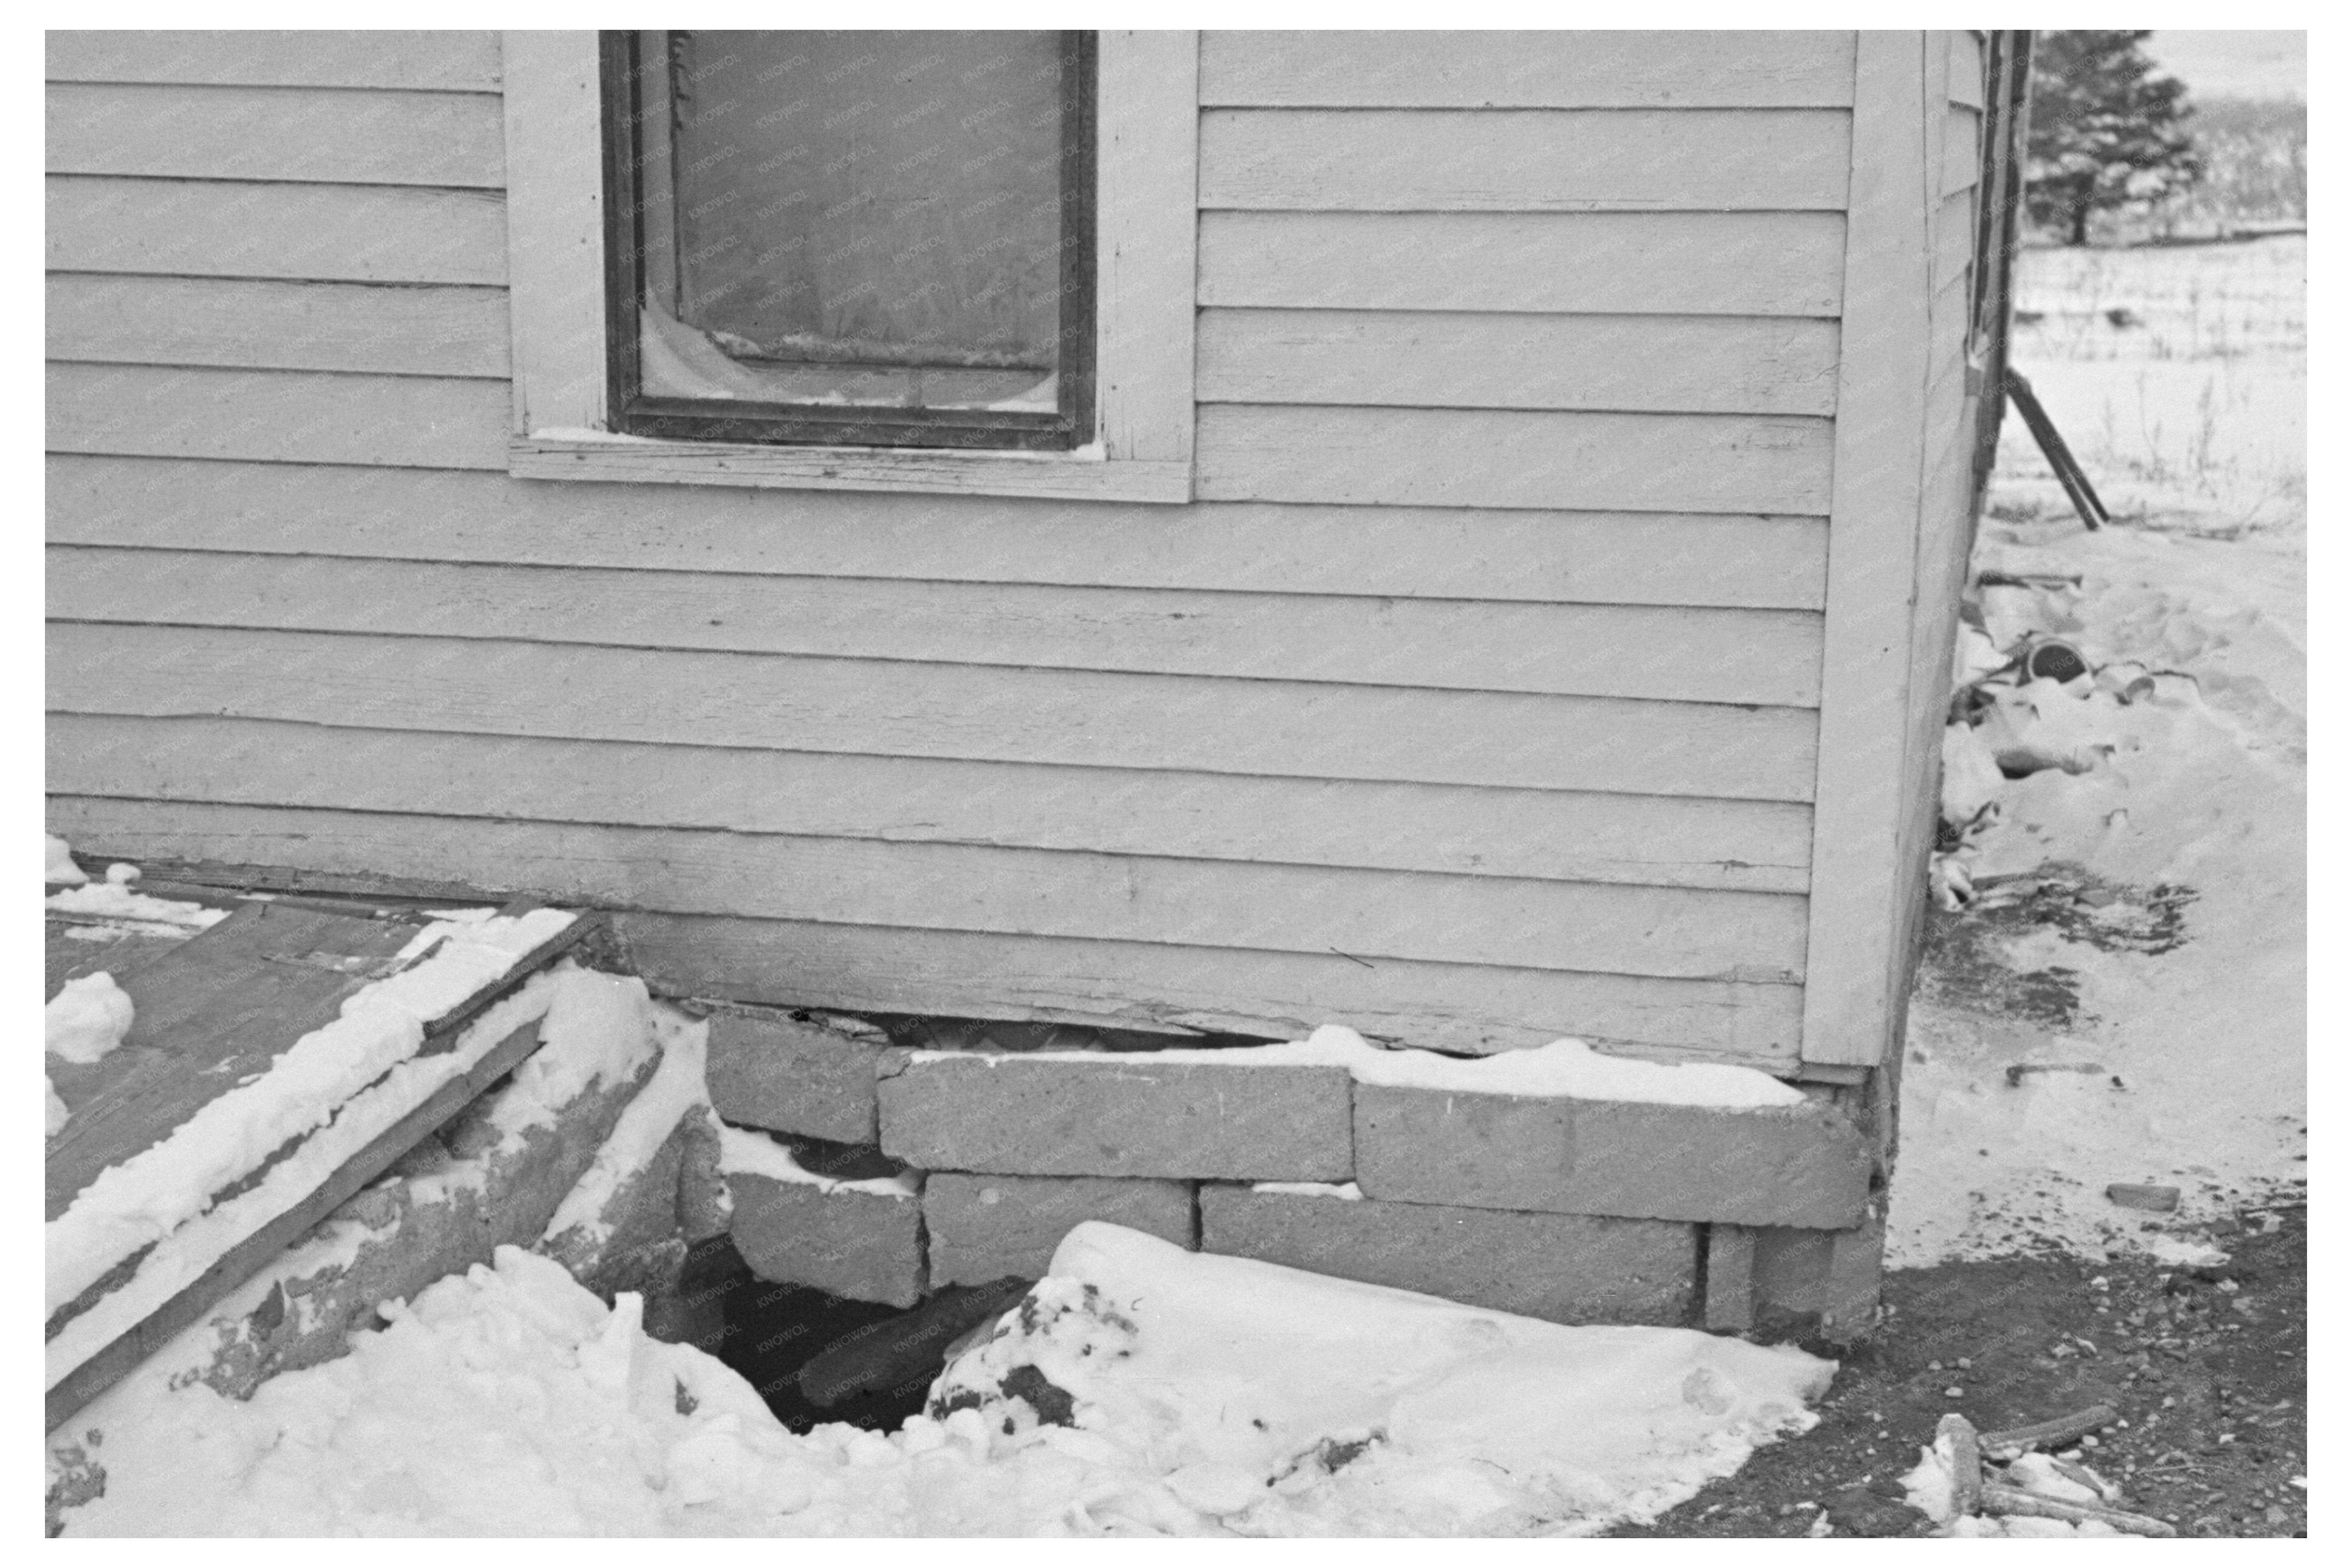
column 851, row 239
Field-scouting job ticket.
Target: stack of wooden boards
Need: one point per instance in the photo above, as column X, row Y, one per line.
column 290, row 1013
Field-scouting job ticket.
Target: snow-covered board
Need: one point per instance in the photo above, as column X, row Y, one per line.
column 276, row 1064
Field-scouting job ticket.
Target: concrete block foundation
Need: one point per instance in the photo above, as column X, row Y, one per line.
column 862, row 1245
column 983, row 1228
column 787, row 1073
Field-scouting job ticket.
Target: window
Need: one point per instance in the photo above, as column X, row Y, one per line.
column 870, row 260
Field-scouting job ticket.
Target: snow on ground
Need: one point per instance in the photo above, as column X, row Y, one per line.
column 2139, row 924
column 1140, row 1389
column 86, row 1020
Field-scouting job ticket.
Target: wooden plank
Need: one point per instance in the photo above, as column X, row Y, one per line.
column 1373, row 915
column 1533, row 160
column 1680, row 364
column 1493, row 457
column 1966, row 82
column 1661, row 558
column 236, row 323
column 340, row 135
column 228, row 228
column 1659, row 841
column 1859, row 891
column 1596, row 650
column 443, row 60
column 1146, row 177
column 209, row 1014
column 1954, row 237
column 873, row 707
column 1963, row 154
column 1059, row 476
column 1719, row 264
column 293, row 416
column 245, row 1260
column 1555, row 70
column 1456, row 1007
column 1948, row 327
column 553, row 238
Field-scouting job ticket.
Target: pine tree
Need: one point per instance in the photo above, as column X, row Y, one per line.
column 2105, row 131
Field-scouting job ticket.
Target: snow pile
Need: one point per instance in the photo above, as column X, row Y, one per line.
column 1182, row 1394
column 113, row 900
column 756, row 1154
column 675, row 1090
column 59, row 869
column 86, row 1020
column 1564, row 1068
column 2154, row 899
column 161, row 1187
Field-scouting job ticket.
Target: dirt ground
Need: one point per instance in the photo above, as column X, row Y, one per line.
column 2206, row 1367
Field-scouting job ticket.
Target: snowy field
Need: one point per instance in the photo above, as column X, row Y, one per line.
column 2123, row 1001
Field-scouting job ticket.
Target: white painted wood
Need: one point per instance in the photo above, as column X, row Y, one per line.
column 448, row 61
column 555, row 228
column 228, row 228
column 1722, row 264
column 1654, row 558
column 1966, row 83
column 1143, row 352
column 254, row 324
column 1861, row 898
column 1413, row 68
column 1280, row 728
column 1652, row 840
column 276, row 415
column 1374, row 915
column 1955, row 237
column 1500, row 458
column 1599, row 650
column 1962, row 154
column 1537, row 160
column 1147, row 157
column 1681, row 364
column 339, row 135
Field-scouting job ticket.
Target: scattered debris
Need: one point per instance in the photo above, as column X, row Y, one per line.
column 2138, row 1195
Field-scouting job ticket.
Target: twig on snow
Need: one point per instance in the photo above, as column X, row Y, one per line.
column 2007, row 1444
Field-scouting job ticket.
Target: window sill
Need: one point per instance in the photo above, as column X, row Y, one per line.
column 1067, row 475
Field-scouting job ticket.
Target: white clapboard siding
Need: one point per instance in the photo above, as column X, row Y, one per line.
column 1555, row 70
column 1654, row 840
column 1530, row 160
column 1962, row 129
column 231, row 229
column 1662, row 558
column 1717, row 264
column 1965, row 83
column 1596, row 650
column 450, row 61
column 293, row 416
column 1686, row 364
column 1587, row 927
column 873, row 707
column 1496, row 457
column 1947, row 325
column 273, row 325
column 1955, row 240
column 340, row 135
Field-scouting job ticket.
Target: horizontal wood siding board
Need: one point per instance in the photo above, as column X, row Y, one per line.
column 1653, row 841
column 231, row 228
column 441, row 61
column 1955, row 237
column 1579, row 926
column 1490, row 458
column 340, row 135
column 1458, row 1007
column 1961, row 155
column 1695, row 364
column 1595, row 650
column 1761, row 561
column 1283, row 728
column 237, row 323
column 1528, row 159
column 1964, row 82
column 1555, row 70
column 1721, row 264
column 291, row 416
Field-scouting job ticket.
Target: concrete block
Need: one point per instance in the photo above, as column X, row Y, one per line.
column 1564, row 1267
column 1123, row 1114
column 1730, row 1279
column 793, row 1075
column 1803, row 1165
column 1819, row 1283
column 864, row 1246
column 987, row 1228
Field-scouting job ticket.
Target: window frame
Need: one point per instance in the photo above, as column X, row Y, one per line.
column 1140, row 444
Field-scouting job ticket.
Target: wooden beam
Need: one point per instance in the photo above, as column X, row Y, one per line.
column 1860, row 892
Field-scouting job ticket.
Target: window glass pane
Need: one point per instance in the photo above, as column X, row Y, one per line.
column 865, row 219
